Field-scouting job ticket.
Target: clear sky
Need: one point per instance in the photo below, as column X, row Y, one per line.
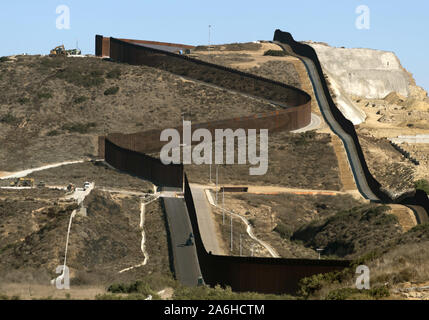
column 29, row 26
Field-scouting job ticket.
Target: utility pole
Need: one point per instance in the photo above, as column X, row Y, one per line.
column 209, row 34
column 223, row 206
column 231, row 232
column 183, row 152
column 217, row 177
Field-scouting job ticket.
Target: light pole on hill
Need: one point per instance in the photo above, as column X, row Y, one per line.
column 210, row 27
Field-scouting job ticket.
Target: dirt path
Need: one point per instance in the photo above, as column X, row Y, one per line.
column 278, row 190
column 142, row 245
column 24, row 173
column 249, row 228
column 346, row 176
column 405, row 216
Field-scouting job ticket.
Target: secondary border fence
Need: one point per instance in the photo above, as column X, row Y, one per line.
column 419, row 198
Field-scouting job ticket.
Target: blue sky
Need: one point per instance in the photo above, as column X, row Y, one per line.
column 29, row 26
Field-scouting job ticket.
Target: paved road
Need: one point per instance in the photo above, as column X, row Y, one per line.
column 205, row 220
column 186, row 264
column 352, row 155
column 315, row 124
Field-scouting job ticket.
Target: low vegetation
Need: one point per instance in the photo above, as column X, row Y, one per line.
column 80, row 99
column 275, row 53
column 422, row 185
column 219, row 293
column 44, row 95
column 111, row 91
column 114, row 74
column 81, row 128
column 9, row 119
column 351, row 233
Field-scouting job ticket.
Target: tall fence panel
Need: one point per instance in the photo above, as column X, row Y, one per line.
column 419, row 198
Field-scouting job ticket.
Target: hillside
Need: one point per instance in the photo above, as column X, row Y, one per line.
column 52, row 109
column 398, row 260
column 33, row 232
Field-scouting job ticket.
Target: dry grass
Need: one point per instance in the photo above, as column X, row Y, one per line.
column 43, row 98
column 294, row 160
column 101, row 244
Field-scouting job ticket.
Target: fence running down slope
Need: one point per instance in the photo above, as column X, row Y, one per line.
column 367, row 184
column 127, row 153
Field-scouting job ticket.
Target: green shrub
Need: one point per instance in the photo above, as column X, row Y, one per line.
column 114, row 74
column 422, row 185
column 79, row 127
column 138, row 286
column 111, row 91
column 275, row 53
column 53, row 133
column 23, row 100
column 379, row 292
column 9, row 119
column 83, row 78
column 79, row 100
column 353, row 293
column 283, row 231
column 305, row 137
column 44, row 95
column 4, row 59
column 310, row 285
column 342, row 294
column 219, row 293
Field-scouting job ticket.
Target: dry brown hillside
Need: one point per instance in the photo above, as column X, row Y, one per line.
column 52, row 109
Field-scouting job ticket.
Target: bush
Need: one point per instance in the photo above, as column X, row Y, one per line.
column 310, row 285
column 44, row 95
column 82, row 78
column 275, row 53
column 219, row 293
column 353, row 293
column 80, row 99
column 79, row 127
column 53, row 133
column 23, row 100
column 422, row 185
column 342, row 294
column 305, row 137
column 4, row 59
column 283, row 231
column 111, row 91
column 114, row 74
column 139, row 287
column 379, row 292
column 9, row 119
